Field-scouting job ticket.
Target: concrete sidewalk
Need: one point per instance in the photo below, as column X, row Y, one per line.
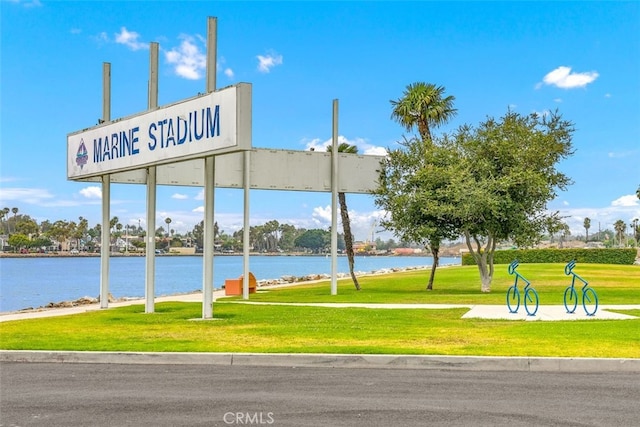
column 317, row 360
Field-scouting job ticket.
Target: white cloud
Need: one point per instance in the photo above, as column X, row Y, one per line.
column 625, row 201
column 267, row 62
column 221, row 65
column 92, row 192
column 188, row 58
column 563, row 78
column 364, row 225
column 621, row 154
column 179, row 196
column 322, row 215
column 199, row 209
column 363, row 146
column 130, row 39
column 623, row 208
column 200, row 195
column 25, row 195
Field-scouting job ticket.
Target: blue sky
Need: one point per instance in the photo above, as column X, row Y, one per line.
column 582, row 58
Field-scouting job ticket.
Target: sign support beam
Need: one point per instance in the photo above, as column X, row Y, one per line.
column 245, row 229
column 207, row 251
column 209, row 186
column 150, row 269
column 105, row 247
column 334, row 201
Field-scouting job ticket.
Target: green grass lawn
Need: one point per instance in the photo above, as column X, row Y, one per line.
column 615, row 284
column 296, row 329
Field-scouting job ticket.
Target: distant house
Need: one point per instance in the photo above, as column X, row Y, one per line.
column 407, row 251
column 360, row 247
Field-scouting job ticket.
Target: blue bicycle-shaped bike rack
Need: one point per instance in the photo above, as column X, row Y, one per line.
column 589, row 296
column 513, row 293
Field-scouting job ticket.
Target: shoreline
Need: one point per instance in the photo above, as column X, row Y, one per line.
column 283, row 281
column 142, row 254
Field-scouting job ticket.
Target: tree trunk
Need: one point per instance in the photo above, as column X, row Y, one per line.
column 483, row 258
column 348, row 237
column 435, row 251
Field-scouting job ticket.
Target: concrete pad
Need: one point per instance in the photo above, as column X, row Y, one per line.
column 546, row 312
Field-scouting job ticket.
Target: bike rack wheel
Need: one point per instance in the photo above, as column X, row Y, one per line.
column 531, row 296
column 590, row 301
column 570, row 299
column 513, row 299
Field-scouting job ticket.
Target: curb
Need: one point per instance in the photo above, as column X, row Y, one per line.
column 462, row 363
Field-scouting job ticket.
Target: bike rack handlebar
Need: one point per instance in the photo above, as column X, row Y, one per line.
column 569, row 267
column 568, row 270
column 512, row 267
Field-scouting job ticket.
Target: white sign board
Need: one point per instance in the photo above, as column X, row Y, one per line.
column 210, row 124
column 269, row 170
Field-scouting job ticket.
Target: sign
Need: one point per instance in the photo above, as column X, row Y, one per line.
column 215, row 123
column 270, row 170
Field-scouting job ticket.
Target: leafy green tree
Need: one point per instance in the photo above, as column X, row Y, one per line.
column 45, row 226
column 423, row 105
column 414, row 190
column 288, row 234
column 41, row 242
column 80, row 231
column 18, row 241
column 506, row 176
column 198, row 234
column 316, row 240
column 26, row 225
column 61, row 231
column 344, row 215
column 271, row 234
column 490, row 183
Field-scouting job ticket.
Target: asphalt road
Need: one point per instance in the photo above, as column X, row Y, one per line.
column 59, row 394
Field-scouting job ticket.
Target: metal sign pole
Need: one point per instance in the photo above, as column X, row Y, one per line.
column 209, row 186
column 150, row 269
column 245, row 230
column 106, row 195
column 334, row 201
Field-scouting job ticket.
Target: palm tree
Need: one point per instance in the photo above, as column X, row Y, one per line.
column 344, row 214
column 2, row 215
column 15, row 213
column 587, row 225
column 423, row 105
column 168, row 221
column 620, row 228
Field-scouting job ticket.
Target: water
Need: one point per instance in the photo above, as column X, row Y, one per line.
column 35, row 282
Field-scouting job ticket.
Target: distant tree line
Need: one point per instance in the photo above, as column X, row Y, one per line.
column 21, row 232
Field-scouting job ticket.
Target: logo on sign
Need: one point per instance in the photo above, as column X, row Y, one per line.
column 82, row 156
